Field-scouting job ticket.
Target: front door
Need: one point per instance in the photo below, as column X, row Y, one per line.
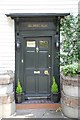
column 37, row 62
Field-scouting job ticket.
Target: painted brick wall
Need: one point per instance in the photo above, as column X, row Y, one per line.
column 79, row 7
column 7, row 30
column 7, row 41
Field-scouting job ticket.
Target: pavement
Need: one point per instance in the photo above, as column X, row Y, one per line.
column 38, row 113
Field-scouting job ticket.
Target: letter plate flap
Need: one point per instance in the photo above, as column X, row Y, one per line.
column 36, row 72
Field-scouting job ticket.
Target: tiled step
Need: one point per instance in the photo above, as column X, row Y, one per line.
column 24, row 106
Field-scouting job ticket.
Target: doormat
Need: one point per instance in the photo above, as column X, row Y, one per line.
column 43, row 101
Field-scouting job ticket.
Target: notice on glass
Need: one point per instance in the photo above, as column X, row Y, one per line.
column 31, row 44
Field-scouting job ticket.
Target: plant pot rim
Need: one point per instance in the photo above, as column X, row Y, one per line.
column 19, row 93
column 55, row 92
column 69, row 77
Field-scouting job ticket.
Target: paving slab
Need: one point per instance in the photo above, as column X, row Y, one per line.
column 37, row 113
column 53, row 114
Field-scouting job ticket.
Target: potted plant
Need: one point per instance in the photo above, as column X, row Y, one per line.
column 55, row 94
column 19, row 93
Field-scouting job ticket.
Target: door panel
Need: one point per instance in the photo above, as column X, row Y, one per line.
column 43, row 84
column 43, row 59
column 30, row 84
column 30, row 57
column 36, row 68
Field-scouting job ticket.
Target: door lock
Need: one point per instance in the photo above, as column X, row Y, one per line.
column 49, row 67
column 49, row 56
column 22, row 60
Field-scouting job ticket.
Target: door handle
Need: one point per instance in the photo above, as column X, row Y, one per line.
column 37, row 49
column 36, row 72
column 46, row 72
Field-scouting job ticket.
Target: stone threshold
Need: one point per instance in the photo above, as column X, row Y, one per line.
column 24, row 106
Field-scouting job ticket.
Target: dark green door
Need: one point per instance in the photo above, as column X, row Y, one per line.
column 37, row 66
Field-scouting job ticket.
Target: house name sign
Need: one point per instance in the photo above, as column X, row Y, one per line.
column 37, row 25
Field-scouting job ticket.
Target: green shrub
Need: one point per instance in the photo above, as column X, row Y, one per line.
column 70, row 70
column 19, row 89
column 54, row 87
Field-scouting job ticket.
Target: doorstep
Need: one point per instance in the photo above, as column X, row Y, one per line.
column 24, row 106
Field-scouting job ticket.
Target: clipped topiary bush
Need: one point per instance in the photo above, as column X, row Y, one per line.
column 54, row 87
column 19, row 89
